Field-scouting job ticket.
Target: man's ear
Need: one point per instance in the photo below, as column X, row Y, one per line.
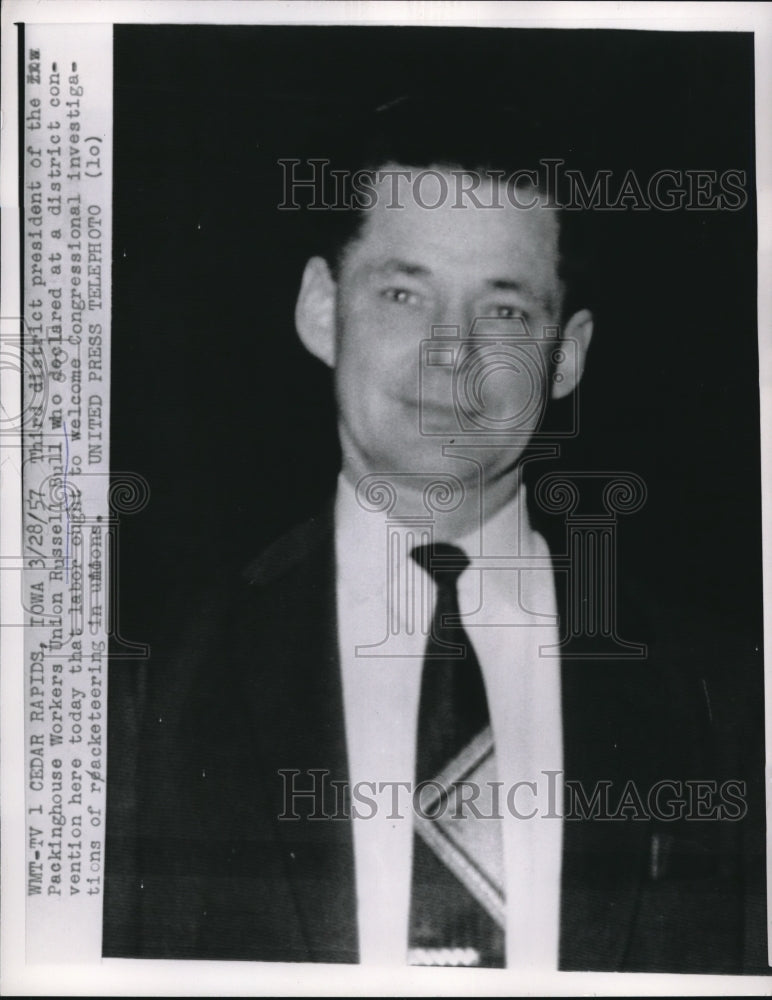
column 568, row 372
column 315, row 311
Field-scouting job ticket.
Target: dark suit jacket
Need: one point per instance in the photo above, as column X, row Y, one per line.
column 207, row 870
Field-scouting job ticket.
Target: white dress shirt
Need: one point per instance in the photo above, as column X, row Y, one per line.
column 510, row 616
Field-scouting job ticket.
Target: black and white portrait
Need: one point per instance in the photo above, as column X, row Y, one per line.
column 437, row 351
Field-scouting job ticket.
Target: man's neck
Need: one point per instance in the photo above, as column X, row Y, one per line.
column 458, row 508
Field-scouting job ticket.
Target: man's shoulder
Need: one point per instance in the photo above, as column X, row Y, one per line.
column 292, row 550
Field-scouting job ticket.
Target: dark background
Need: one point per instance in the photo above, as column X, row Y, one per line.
column 216, row 405
column 231, row 423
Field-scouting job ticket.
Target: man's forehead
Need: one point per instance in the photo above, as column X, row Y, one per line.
column 411, row 229
column 438, row 200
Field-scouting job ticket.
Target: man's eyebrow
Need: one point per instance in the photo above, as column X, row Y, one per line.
column 509, row 285
column 523, row 289
column 399, row 266
column 396, row 265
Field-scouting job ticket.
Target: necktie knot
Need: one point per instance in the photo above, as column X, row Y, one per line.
column 442, row 561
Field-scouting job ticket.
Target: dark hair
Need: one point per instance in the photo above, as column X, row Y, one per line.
column 483, row 138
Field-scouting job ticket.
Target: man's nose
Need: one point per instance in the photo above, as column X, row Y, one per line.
column 454, row 311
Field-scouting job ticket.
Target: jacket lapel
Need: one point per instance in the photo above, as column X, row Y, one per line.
column 297, row 706
column 603, row 860
column 607, row 740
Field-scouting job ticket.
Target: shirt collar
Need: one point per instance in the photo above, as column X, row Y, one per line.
column 362, row 533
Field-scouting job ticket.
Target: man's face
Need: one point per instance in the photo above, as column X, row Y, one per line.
column 411, row 269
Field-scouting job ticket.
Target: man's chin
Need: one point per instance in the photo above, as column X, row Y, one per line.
column 427, row 459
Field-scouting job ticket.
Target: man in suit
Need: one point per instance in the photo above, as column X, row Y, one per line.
column 284, row 734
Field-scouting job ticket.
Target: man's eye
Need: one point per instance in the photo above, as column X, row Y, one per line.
column 402, row 296
column 507, row 312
